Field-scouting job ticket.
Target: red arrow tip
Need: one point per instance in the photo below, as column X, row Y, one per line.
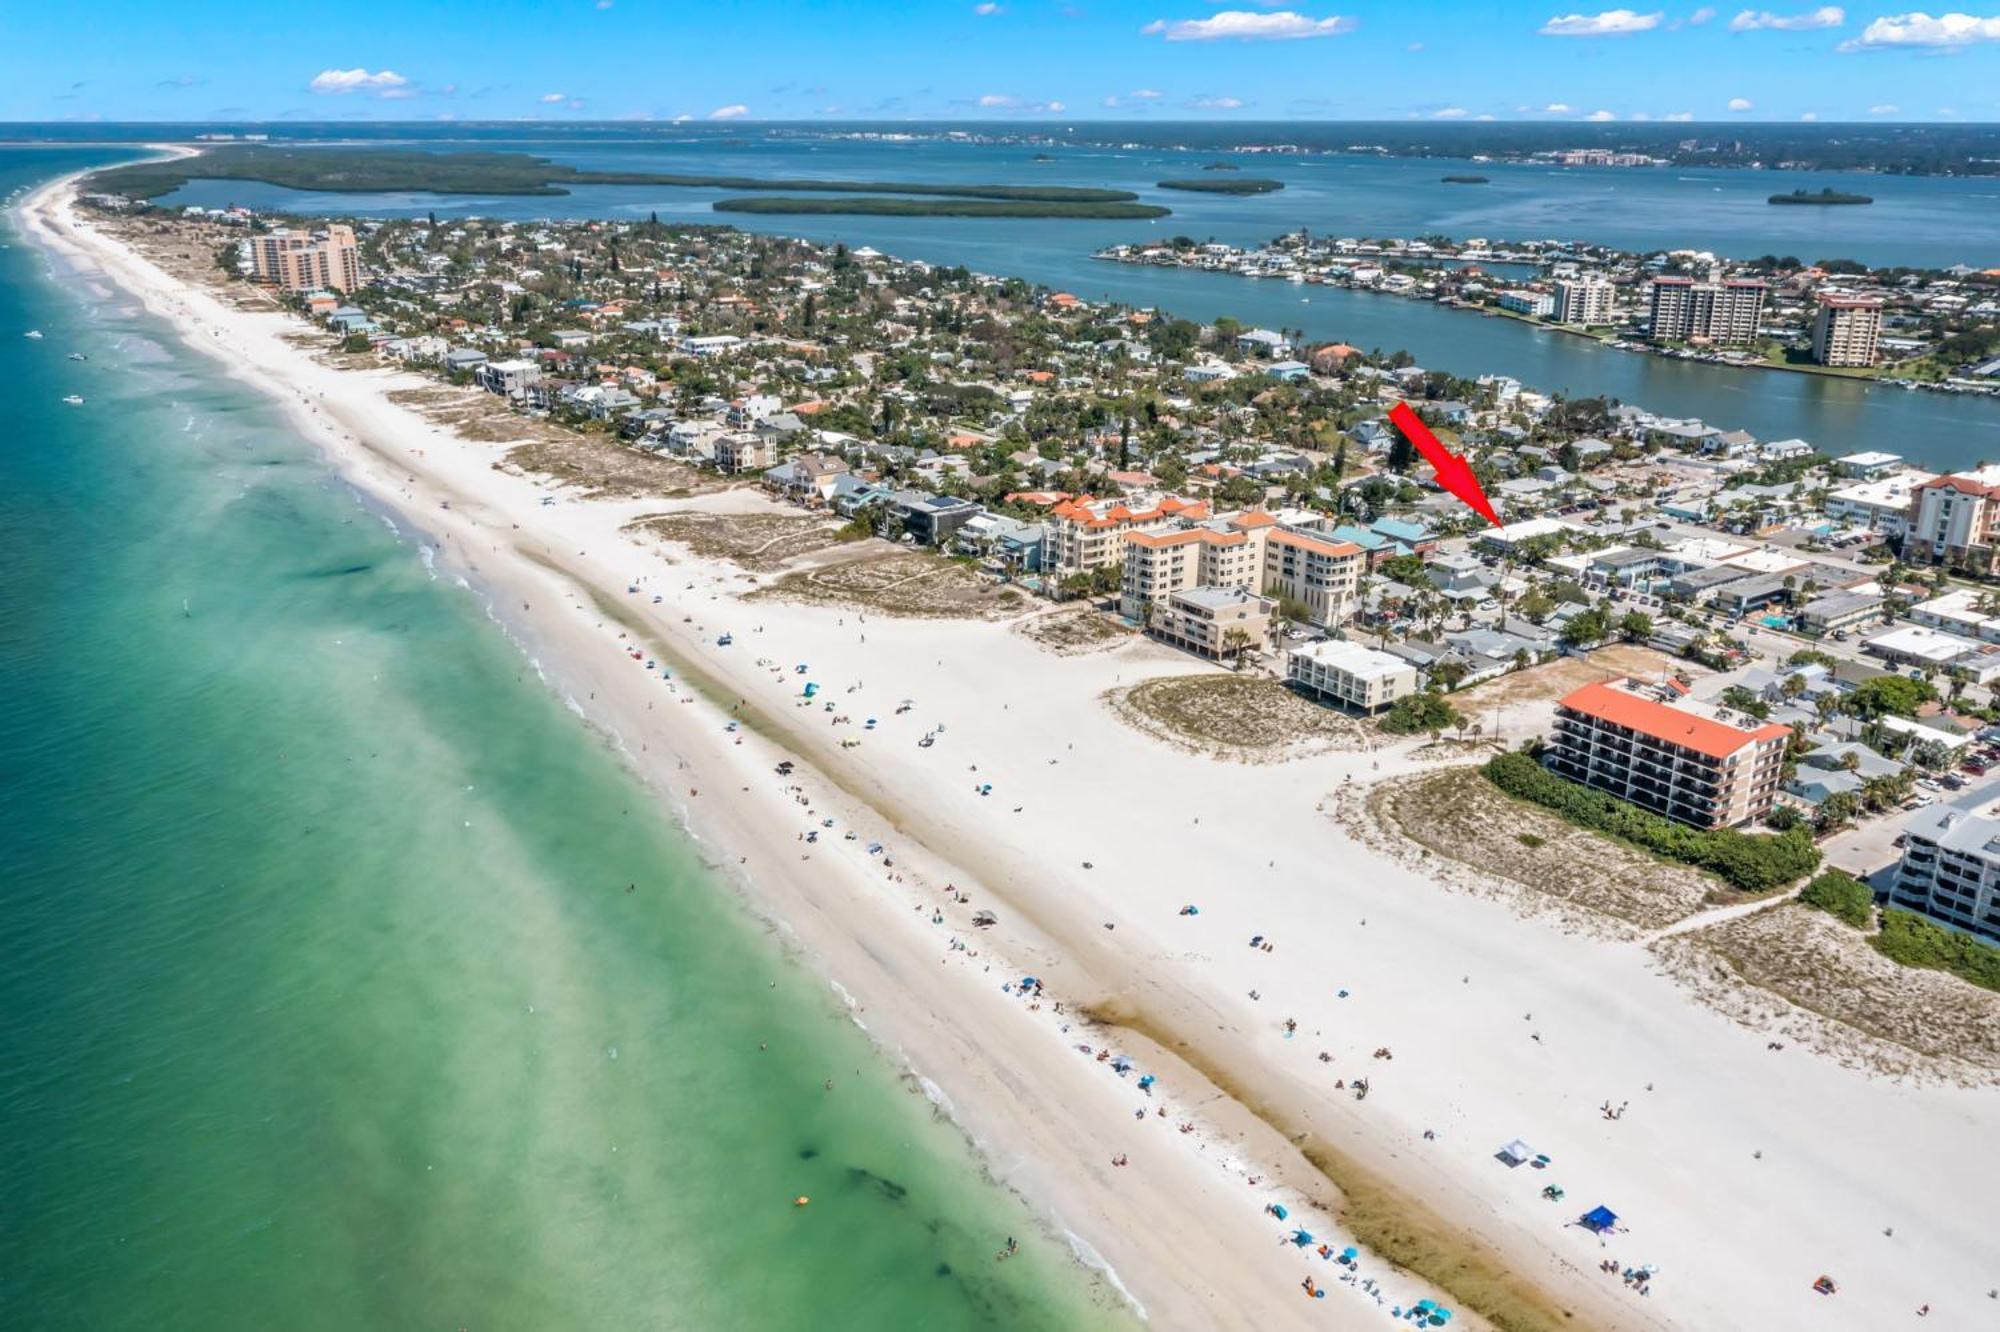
column 1453, row 472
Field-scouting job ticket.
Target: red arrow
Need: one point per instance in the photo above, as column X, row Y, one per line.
column 1453, row 472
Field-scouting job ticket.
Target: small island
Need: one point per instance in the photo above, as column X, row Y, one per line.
column 1239, row 185
column 1824, row 197
column 883, row 207
column 1464, row 180
column 1222, row 166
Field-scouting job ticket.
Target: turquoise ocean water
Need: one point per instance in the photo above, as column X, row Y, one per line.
column 325, row 1002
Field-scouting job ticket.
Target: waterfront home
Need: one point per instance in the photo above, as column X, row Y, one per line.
column 1262, row 342
column 852, row 494
column 932, row 519
column 808, row 479
column 464, row 360
column 509, row 379
column 1288, row 371
column 1350, row 674
column 1006, row 544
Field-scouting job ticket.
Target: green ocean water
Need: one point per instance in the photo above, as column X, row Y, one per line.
column 325, row 1002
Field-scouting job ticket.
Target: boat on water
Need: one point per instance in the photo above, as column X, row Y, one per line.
column 32, row 333
column 74, row 400
column 78, row 356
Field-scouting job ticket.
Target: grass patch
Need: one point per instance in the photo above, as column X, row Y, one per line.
column 1751, row 863
column 1071, row 633
column 904, row 584
column 749, row 540
column 1458, row 816
column 602, row 468
column 1235, row 716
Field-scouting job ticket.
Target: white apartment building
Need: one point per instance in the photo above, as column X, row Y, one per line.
column 1665, row 753
column 1847, row 330
column 1722, row 313
column 1524, row 301
column 1881, row 505
column 1950, row 870
column 1584, row 301
column 1161, row 563
column 1352, row 675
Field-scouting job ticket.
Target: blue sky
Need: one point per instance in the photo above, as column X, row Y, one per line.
column 1058, row 61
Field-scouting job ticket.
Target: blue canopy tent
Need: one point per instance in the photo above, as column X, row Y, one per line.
column 1599, row 1218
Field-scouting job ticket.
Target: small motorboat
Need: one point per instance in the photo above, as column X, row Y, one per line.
column 78, row 356
column 34, row 333
column 74, row 400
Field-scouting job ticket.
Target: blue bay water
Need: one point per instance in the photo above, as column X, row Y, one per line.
column 350, row 982
column 1915, row 220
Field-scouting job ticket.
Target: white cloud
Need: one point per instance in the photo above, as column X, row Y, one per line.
column 554, row 97
column 1449, row 113
column 1558, row 108
column 1678, row 115
column 987, row 10
column 1600, row 115
column 997, row 99
column 1216, row 103
column 1810, row 115
column 1639, row 115
column 1147, row 94
column 1741, row 104
column 1482, row 117
column 604, row 4
column 1611, row 23
column 1826, row 16
column 1702, row 15
column 1138, row 97
column 1240, row 25
column 1920, row 29
column 734, row 111
column 1884, row 109
column 1414, row 47
column 1051, row 107
column 340, row 81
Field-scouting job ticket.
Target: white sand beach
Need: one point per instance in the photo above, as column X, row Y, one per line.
column 1740, row 1173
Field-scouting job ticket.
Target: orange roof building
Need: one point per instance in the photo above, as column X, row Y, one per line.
column 1668, row 754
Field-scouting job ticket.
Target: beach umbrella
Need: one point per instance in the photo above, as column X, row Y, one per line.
column 1302, row 1238
column 1599, row 1218
column 1278, row 1210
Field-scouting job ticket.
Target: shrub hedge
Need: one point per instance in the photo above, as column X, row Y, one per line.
column 1751, row 863
column 1914, row 941
column 1841, row 896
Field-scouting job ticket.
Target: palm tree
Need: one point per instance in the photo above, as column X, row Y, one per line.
column 1235, row 642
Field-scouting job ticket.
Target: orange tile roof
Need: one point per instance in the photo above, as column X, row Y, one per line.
column 1256, row 518
column 1161, row 540
column 1690, row 730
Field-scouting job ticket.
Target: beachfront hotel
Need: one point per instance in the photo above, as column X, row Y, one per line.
column 1652, row 745
column 1951, row 867
column 1847, row 330
column 1252, row 551
column 327, row 260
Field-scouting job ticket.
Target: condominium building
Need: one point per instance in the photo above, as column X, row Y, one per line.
column 1212, row 622
column 1324, row 576
column 1526, row 301
column 1847, row 330
column 1086, row 533
column 1952, row 518
column 1355, row 676
column 1951, row 867
column 1723, row 313
column 1664, row 752
column 1585, row 300
column 1159, row 564
column 327, row 260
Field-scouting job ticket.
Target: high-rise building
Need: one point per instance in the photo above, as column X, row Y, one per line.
column 1951, row 867
column 1847, row 330
column 328, row 260
column 1955, row 519
column 1651, row 745
column 1723, row 313
column 1583, row 301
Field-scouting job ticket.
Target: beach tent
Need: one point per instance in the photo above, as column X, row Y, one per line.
column 1599, row 1218
column 1515, row 1152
